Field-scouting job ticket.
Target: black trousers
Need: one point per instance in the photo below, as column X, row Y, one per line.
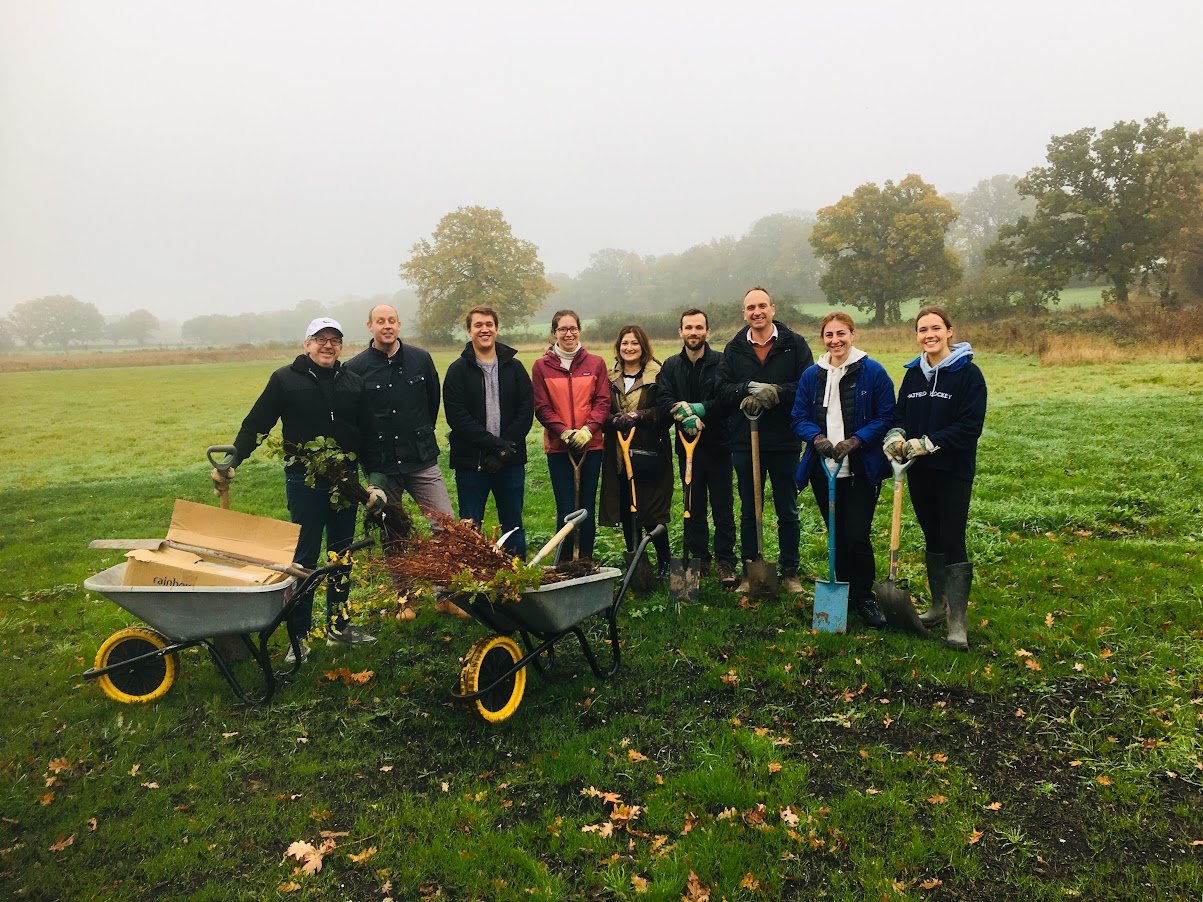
column 855, row 500
column 941, row 504
column 711, row 492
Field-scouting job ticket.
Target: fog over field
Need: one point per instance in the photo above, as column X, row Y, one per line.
column 226, row 157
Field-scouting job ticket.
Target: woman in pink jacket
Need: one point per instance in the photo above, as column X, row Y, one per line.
column 572, row 401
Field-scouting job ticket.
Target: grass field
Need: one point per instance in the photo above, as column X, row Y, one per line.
column 736, row 752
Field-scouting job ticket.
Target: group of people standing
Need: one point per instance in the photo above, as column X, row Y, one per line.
column 612, row 425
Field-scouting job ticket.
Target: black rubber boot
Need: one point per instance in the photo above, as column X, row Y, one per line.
column 959, row 577
column 935, row 614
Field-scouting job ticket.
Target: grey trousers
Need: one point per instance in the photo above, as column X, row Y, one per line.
column 425, row 486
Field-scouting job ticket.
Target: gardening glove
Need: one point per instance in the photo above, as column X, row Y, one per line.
column 508, row 455
column 580, row 438
column 681, row 410
column 490, row 463
column 567, row 437
column 751, row 406
column 624, row 421
column 917, row 447
column 895, row 445
column 376, row 498
column 692, row 425
column 222, row 480
column 823, row 446
column 846, row 447
column 764, row 392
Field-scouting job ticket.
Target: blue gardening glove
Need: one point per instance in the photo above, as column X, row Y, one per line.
column 846, row 447
column 823, row 446
column 751, row 406
column 918, row 447
column 895, row 445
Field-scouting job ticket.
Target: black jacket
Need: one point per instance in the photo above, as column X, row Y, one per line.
column 464, row 394
column 403, row 395
column 311, row 401
column 951, row 413
column 674, row 386
column 788, row 359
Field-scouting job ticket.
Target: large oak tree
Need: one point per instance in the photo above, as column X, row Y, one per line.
column 885, row 245
column 473, row 259
column 1108, row 203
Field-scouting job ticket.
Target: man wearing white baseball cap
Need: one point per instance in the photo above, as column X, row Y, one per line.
column 313, row 396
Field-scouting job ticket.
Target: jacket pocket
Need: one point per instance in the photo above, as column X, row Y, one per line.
column 426, row 446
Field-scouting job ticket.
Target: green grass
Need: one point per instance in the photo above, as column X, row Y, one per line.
column 1059, row 758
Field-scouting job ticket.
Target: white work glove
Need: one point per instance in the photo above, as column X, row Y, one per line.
column 376, row 498
column 895, row 445
column 917, row 447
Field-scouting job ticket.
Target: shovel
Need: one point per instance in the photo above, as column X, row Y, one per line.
column 222, row 488
column 684, row 574
column 643, row 579
column 893, row 599
column 762, row 574
column 831, row 596
column 570, row 523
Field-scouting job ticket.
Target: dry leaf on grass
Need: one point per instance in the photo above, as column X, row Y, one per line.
column 633, row 755
column 290, row 887
column 310, row 858
column 46, row 799
column 695, row 890
column 361, row 857
column 351, row 679
column 63, row 842
column 931, row 884
column 975, row 836
column 1103, row 780
column 58, row 765
column 749, row 882
column 639, row 883
column 1032, row 664
column 937, row 799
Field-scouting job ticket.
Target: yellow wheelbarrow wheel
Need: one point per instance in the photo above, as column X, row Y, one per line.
column 487, row 659
column 144, row 681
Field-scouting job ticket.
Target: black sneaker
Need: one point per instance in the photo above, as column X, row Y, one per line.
column 868, row 611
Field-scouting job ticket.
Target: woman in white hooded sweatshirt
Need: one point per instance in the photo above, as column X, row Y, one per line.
column 843, row 407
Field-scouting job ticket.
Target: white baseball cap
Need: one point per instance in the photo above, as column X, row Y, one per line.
column 322, row 322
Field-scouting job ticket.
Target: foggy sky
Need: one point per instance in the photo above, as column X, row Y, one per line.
column 227, row 156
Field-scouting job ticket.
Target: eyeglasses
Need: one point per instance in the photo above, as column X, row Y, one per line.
column 333, row 342
column 568, row 330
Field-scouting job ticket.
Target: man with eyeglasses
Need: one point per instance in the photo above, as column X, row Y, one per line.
column 314, row 396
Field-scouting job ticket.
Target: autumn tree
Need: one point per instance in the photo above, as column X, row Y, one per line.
column 473, row 259
column 1108, row 203
column 57, row 321
column 885, row 245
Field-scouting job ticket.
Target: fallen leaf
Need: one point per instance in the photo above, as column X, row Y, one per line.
column 749, row 882
column 1048, row 619
column 1022, row 653
column 731, row 678
column 1032, row 664
column 92, row 824
column 937, row 799
column 1079, row 666
column 1019, row 712
column 1103, row 780
column 932, row 883
column 385, row 768
column 789, row 816
column 774, row 767
column 1196, row 842
column 363, row 856
column 695, row 890
column 58, row 765
column 46, row 799
column 151, row 784
column 133, row 771
column 639, row 883
column 445, row 786
column 940, row 757
column 994, row 806
column 290, row 887
column 62, row 843
column 310, row 858
column 1075, row 763
column 975, row 836
column 633, row 755
column 231, row 736
column 1106, row 653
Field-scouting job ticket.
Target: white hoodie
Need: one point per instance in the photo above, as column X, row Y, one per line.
column 834, row 428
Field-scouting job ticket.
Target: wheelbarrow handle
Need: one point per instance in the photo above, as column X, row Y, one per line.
column 570, row 523
column 225, row 463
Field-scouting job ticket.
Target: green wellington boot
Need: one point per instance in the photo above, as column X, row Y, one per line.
column 934, row 615
column 958, row 579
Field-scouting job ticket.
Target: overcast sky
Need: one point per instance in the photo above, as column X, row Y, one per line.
column 226, row 156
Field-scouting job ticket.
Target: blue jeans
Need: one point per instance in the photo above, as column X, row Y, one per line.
column 508, row 485
column 780, row 467
column 559, row 468
column 310, row 507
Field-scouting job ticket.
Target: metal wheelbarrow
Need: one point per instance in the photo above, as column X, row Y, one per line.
column 137, row 664
column 492, row 679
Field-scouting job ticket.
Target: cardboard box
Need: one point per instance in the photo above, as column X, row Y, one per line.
column 260, row 540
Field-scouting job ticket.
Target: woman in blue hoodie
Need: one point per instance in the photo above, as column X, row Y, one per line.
column 843, row 407
column 937, row 422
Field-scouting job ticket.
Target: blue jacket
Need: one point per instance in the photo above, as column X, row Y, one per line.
column 950, row 409
column 872, row 416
